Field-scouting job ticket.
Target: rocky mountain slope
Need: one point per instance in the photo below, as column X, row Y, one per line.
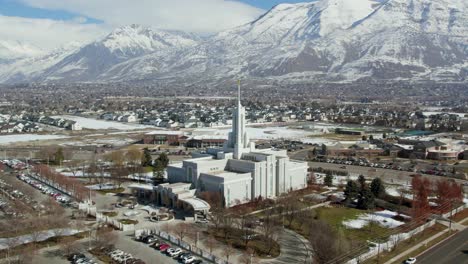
column 328, row 40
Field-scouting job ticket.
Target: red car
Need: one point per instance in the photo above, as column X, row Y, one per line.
column 163, row 247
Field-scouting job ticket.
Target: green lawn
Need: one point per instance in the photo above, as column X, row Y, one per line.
column 128, row 221
column 118, row 190
column 335, row 216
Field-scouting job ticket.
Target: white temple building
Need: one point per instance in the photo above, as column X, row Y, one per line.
column 239, row 171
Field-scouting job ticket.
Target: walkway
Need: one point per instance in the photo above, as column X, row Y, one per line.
column 408, row 251
column 455, row 226
column 294, row 249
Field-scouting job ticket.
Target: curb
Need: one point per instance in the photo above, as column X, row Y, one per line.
column 438, row 243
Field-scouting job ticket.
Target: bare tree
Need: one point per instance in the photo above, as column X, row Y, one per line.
column 249, row 257
column 105, row 237
column 210, row 243
column 323, row 241
column 69, row 245
column 182, row 229
column 270, row 229
column 73, row 166
column 228, row 251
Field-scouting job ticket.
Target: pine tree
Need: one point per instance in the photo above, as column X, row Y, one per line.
column 328, row 180
column 351, row 192
column 146, row 159
column 377, row 188
column 362, row 182
column 163, row 159
column 366, row 199
column 59, row 157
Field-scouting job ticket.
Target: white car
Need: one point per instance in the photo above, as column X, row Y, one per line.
column 174, row 252
column 410, row 261
column 188, row 259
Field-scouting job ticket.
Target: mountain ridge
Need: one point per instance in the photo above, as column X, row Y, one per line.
column 324, row 40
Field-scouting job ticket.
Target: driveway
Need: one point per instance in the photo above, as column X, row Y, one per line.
column 294, row 249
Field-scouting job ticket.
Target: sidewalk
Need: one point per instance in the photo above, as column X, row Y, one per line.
column 455, row 226
column 408, row 251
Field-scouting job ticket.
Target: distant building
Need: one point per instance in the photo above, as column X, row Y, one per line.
column 170, row 138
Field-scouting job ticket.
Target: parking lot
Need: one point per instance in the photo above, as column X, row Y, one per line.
column 146, row 253
column 388, row 175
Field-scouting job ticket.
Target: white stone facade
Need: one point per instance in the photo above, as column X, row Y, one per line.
column 239, row 171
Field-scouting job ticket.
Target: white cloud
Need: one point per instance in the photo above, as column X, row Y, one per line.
column 202, row 16
column 48, row 34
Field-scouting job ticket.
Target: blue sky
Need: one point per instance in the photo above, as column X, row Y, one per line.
column 39, row 22
column 267, row 4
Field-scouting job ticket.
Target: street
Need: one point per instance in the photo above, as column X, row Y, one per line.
column 452, row 251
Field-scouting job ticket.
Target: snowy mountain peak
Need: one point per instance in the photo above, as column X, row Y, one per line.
column 288, row 23
column 137, row 40
column 337, row 40
column 16, row 49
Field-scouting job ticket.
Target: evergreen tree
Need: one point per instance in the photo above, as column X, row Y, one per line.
column 377, row 187
column 324, row 149
column 163, row 159
column 362, row 182
column 59, row 157
column 146, row 159
column 328, row 180
column 351, row 191
column 158, row 172
column 366, row 200
column 384, row 135
column 371, row 137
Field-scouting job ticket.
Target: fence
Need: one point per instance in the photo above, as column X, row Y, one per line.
column 397, row 238
column 52, row 184
column 182, row 244
column 454, row 211
column 390, row 243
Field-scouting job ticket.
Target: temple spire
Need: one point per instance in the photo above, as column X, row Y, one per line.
column 238, row 93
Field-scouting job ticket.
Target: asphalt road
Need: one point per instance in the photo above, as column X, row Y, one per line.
column 294, row 249
column 452, row 251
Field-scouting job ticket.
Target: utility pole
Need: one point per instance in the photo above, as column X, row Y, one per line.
column 450, row 219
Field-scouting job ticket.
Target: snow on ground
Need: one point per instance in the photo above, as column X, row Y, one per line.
column 95, row 142
column 44, row 235
column 27, row 137
column 103, row 186
column 383, row 218
column 92, row 123
column 394, row 191
column 338, row 180
column 266, row 133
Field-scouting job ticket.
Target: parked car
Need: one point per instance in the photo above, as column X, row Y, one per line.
column 163, row 247
column 188, row 259
column 183, row 255
column 174, row 252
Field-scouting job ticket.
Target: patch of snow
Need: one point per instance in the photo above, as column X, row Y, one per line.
column 383, row 218
column 27, row 137
column 92, row 123
column 44, row 235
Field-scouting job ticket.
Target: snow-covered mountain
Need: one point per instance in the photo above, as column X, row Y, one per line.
column 338, row 40
column 10, row 50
